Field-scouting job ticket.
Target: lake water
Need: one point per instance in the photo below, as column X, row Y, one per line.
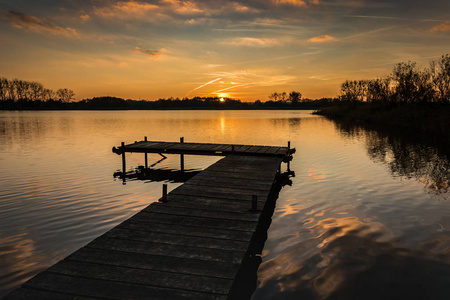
column 366, row 216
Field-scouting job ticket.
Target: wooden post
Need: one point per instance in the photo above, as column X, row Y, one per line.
column 145, row 138
column 182, row 156
column 146, row 161
column 164, row 193
column 124, row 163
column 289, row 145
column 254, row 203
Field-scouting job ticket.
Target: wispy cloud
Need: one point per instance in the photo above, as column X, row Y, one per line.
column 124, row 9
column 251, row 42
column 300, row 3
column 34, row 24
column 442, row 27
column 149, row 52
column 321, row 39
column 184, row 7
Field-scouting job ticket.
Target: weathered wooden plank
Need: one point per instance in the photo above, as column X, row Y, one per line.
column 219, row 174
column 160, row 249
column 242, row 148
column 254, row 149
column 282, row 150
column 149, row 226
column 181, row 281
column 156, row 263
column 212, row 180
column 272, row 150
column 175, row 239
column 34, row 294
column 219, row 192
column 238, row 214
column 213, row 204
column 195, row 221
column 110, row 289
column 264, row 149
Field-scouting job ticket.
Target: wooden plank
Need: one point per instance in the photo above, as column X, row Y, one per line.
column 220, row 192
column 175, row 239
column 263, row 185
column 264, row 149
column 238, row 214
column 254, row 149
column 110, row 289
column 141, row 276
column 212, row 204
column 242, row 148
column 282, row 150
column 30, row 293
column 156, row 263
column 195, row 221
column 272, row 150
column 150, row 226
column 160, row 249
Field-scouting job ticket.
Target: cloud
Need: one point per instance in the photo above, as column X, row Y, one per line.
column 251, row 42
column 124, row 9
column 442, row 27
column 184, row 7
column 149, row 52
column 322, row 38
column 84, row 18
column 30, row 23
column 299, row 3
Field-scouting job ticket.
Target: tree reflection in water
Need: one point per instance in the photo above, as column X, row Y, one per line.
column 408, row 155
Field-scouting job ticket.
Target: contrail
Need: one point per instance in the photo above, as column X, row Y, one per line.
column 231, row 87
column 199, row 87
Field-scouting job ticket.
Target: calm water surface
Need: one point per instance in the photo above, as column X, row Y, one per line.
column 366, row 217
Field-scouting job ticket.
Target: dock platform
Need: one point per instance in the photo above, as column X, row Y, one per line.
column 195, row 244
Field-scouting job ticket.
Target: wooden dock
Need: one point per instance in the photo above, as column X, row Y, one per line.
column 196, row 244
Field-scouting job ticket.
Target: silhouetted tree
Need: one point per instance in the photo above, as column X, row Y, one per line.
column 4, row 88
column 440, row 78
column 295, row 97
column 65, row 95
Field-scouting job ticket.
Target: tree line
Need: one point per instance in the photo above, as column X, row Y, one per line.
column 22, row 90
column 407, row 83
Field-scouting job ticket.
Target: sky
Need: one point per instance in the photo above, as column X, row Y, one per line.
column 241, row 49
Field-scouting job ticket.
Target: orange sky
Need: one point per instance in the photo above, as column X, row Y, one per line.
column 242, row 49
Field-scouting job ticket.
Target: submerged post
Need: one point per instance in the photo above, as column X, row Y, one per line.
column 124, row 164
column 254, row 203
column 182, row 156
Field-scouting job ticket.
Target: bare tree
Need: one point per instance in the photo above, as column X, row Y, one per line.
column 36, row 90
column 440, row 78
column 274, row 96
column 21, row 88
column 295, row 97
column 4, row 88
column 65, row 95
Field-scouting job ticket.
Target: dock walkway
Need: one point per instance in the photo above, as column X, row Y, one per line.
column 192, row 246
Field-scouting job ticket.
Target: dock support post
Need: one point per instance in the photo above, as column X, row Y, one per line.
column 146, row 156
column 124, row 163
column 164, row 193
column 289, row 152
column 182, row 156
column 254, row 203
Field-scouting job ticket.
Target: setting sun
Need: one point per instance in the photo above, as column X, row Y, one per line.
column 221, row 99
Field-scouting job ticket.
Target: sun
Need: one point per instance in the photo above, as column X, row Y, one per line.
column 222, row 99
